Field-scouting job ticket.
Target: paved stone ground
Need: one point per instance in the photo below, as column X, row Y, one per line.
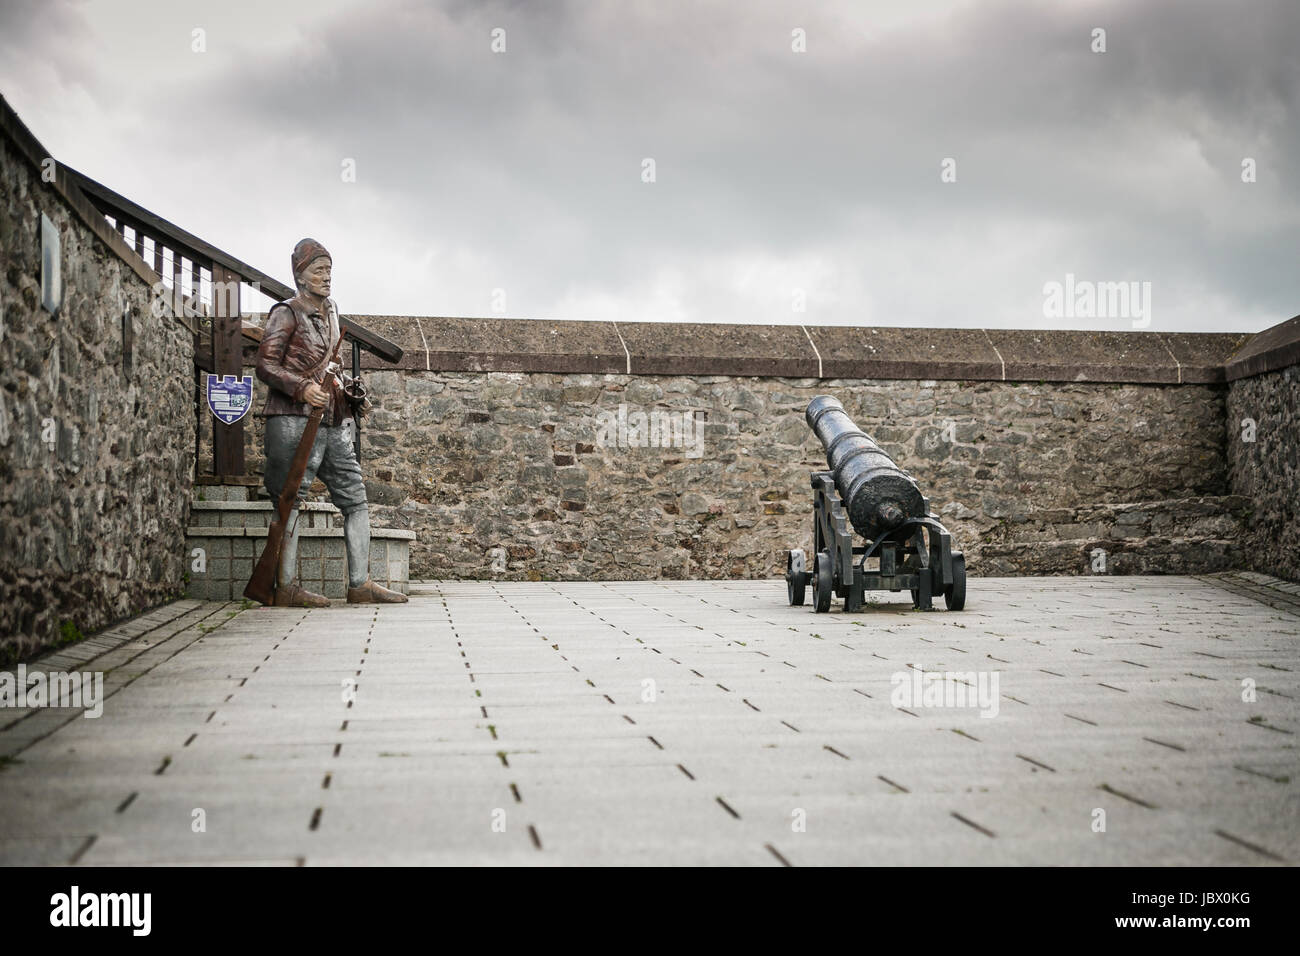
column 525, row 704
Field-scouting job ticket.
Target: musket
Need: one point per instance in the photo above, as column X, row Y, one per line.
column 261, row 586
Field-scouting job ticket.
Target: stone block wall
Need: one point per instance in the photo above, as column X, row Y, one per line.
column 533, row 466
column 500, row 443
column 1263, row 443
column 520, row 475
column 96, row 446
column 227, row 535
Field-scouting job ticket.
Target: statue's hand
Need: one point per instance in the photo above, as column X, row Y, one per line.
column 315, row 396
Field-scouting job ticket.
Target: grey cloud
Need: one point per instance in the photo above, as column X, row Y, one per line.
column 775, row 169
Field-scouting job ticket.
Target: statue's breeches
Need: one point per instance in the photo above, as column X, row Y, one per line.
column 332, row 460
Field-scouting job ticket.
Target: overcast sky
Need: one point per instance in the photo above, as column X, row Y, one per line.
column 775, row 171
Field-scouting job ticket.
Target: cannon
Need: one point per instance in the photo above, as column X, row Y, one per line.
column 905, row 545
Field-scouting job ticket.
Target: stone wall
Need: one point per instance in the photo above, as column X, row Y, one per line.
column 96, row 450
column 530, row 475
column 1263, row 441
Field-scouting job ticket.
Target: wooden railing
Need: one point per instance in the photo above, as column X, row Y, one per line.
column 205, row 287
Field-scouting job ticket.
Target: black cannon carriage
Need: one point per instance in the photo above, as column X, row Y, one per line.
column 865, row 491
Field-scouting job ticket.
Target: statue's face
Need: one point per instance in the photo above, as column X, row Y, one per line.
column 316, row 277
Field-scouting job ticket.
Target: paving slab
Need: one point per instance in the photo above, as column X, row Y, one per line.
column 679, row 723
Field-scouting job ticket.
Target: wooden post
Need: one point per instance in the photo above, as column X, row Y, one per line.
column 178, row 272
column 227, row 359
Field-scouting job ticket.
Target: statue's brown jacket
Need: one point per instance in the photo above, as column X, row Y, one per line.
column 296, row 339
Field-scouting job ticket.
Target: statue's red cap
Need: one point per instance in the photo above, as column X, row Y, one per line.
column 305, row 251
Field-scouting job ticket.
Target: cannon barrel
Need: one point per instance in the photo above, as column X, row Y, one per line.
column 878, row 494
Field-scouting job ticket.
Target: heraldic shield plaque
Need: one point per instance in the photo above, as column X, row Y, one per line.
column 230, row 396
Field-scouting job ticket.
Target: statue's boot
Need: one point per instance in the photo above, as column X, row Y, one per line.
column 292, row 595
column 287, row 593
column 372, row 593
column 356, row 536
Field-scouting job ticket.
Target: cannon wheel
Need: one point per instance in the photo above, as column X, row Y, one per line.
column 954, row 595
column 796, row 576
column 918, row 562
column 823, row 587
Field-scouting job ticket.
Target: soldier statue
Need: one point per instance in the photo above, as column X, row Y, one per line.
column 298, row 335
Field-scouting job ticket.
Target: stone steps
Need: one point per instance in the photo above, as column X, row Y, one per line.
column 227, row 533
column 1136, row 537
column 1153, row 555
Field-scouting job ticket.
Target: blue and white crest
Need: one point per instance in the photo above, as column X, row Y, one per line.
column 230, row 397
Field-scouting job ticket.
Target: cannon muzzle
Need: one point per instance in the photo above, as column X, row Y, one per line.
column 878, row 494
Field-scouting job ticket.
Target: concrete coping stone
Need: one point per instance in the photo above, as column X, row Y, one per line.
column 257, row 506
column 387, row 534
column 445, row 344
column 1270, row 350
